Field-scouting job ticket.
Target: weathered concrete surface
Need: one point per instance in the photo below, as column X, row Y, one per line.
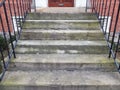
column 44, row 65
column 62, row 25
column 62, row 46
column 61, row 35
column 60, row 42
column 65, row 21
column 69, row 10
column 61, row 16
column 61, row 80
column 36, row 62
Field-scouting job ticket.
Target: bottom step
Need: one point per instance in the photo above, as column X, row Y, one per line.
column 61, row 80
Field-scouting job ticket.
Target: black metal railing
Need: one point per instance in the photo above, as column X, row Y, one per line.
column 12, row 17
column 108, row 14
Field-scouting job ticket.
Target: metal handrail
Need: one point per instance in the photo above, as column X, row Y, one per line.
column 102, row 9
column 19, row 12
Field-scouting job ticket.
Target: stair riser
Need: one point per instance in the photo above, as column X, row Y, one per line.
column 60, row 87
column 63, row 49
column 58, row 16
column 62, row 25
column 61, row 36
column 23, row 66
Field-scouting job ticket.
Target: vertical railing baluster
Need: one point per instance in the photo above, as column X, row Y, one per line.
column 93, row 6
column 19, row 16
column 112, row 17
column 25, row 9
column 108, row 14
column 118, row 42
column 21, row 10
column 15, row 15
column 27, row 5
column 34, row 6
column 11, row 16
column 102, row 7
column 99, row 7
column 104, row 17
column 101, row 15
column 2, row 58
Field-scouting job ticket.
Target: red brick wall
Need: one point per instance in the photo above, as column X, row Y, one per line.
column 21, row 12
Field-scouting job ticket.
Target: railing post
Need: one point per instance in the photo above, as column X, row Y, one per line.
column 108, row 13
column 34, row 5
column 92, row 5
column 9, row 5
column 86, row 6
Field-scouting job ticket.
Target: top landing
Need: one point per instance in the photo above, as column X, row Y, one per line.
column 61, row 10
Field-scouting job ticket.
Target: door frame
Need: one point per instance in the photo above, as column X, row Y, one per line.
column 72, row 6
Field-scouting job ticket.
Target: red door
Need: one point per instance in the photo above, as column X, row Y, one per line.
column 61, row 3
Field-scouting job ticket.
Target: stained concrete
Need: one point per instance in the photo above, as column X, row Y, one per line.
column 36, row 62
column 74, row 59
column 62, row 46
column 37, row 34
column 58, row 16
column 62, row 77
column 62, row 25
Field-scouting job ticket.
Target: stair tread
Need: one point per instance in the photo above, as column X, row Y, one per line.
column 61, row 31
column 63, row 58
column 37, row 34
column 87, row 21
column 61, row 42
column 61, row 78
column 59, row 16
column 82, row 62
column 62, row 25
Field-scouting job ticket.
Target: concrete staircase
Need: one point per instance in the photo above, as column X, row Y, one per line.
column 61, row 52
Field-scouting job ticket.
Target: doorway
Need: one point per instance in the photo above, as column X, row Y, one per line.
column 61, row 3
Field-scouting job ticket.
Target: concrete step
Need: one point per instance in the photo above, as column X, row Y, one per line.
column 62, row 10
column 32, row 34
column 71, row 62
column 64, row 21
column 60, row 80
column 61, row 16
column 62, row 46
column 58, row 25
